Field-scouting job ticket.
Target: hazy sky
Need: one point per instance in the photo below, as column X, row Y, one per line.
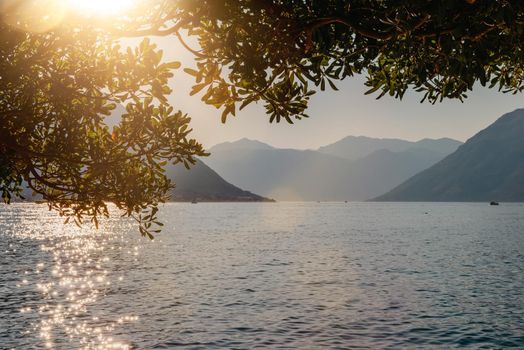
column 336, row 114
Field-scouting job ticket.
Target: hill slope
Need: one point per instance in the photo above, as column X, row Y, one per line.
column 489, row 166
column 383, row 169
column 201, row 183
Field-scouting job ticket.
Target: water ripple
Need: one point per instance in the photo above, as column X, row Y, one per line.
column 279, row 276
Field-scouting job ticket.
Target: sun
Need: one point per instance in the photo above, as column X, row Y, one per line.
column 101, row 7
column 40, row 16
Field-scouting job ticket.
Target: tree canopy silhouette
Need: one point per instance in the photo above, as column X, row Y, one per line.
column 58, row 83
column 56, row 90
column 280, row 52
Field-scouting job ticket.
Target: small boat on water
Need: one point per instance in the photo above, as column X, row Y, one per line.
column 493, row 203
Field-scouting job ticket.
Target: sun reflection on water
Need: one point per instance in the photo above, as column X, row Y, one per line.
column 76, row 275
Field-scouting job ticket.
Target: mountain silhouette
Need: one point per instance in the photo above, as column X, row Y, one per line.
column 201, row 183
column 355, row 147
column 489, row 166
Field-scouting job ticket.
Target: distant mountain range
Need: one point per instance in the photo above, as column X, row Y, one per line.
column 354, row 168
column 488, row 167
column 355, row 147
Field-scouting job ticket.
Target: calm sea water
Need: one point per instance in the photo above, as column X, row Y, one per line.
column 269, row 275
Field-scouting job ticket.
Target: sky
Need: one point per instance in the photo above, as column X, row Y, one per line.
column 336, row 114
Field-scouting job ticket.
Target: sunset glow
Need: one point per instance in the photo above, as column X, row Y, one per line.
column 39, row 16
column 102, row 6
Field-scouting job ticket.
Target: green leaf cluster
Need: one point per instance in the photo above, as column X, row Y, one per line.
column 280, row 52
column 57, row 91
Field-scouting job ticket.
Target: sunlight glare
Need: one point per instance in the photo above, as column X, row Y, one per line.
column 39, row 16
column 101, row 7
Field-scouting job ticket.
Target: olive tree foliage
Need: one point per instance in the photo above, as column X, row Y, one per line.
column 56, row 90
column 279, row 52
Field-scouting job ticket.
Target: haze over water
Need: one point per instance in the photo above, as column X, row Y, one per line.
column 267, row 275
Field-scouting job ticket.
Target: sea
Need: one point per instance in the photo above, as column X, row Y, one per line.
column 266, row 276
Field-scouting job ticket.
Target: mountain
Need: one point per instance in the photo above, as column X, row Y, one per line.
column 245, row 144
column 283, row 174
column 201, row 183
column 443, row 146
column 355, row 147
column 382, row 170
column 289, row 174
column 489, row 166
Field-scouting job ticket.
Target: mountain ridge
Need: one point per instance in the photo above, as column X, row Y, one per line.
column 290, row 174
column 355, row 147
column 201, row 183
column 489, row 166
